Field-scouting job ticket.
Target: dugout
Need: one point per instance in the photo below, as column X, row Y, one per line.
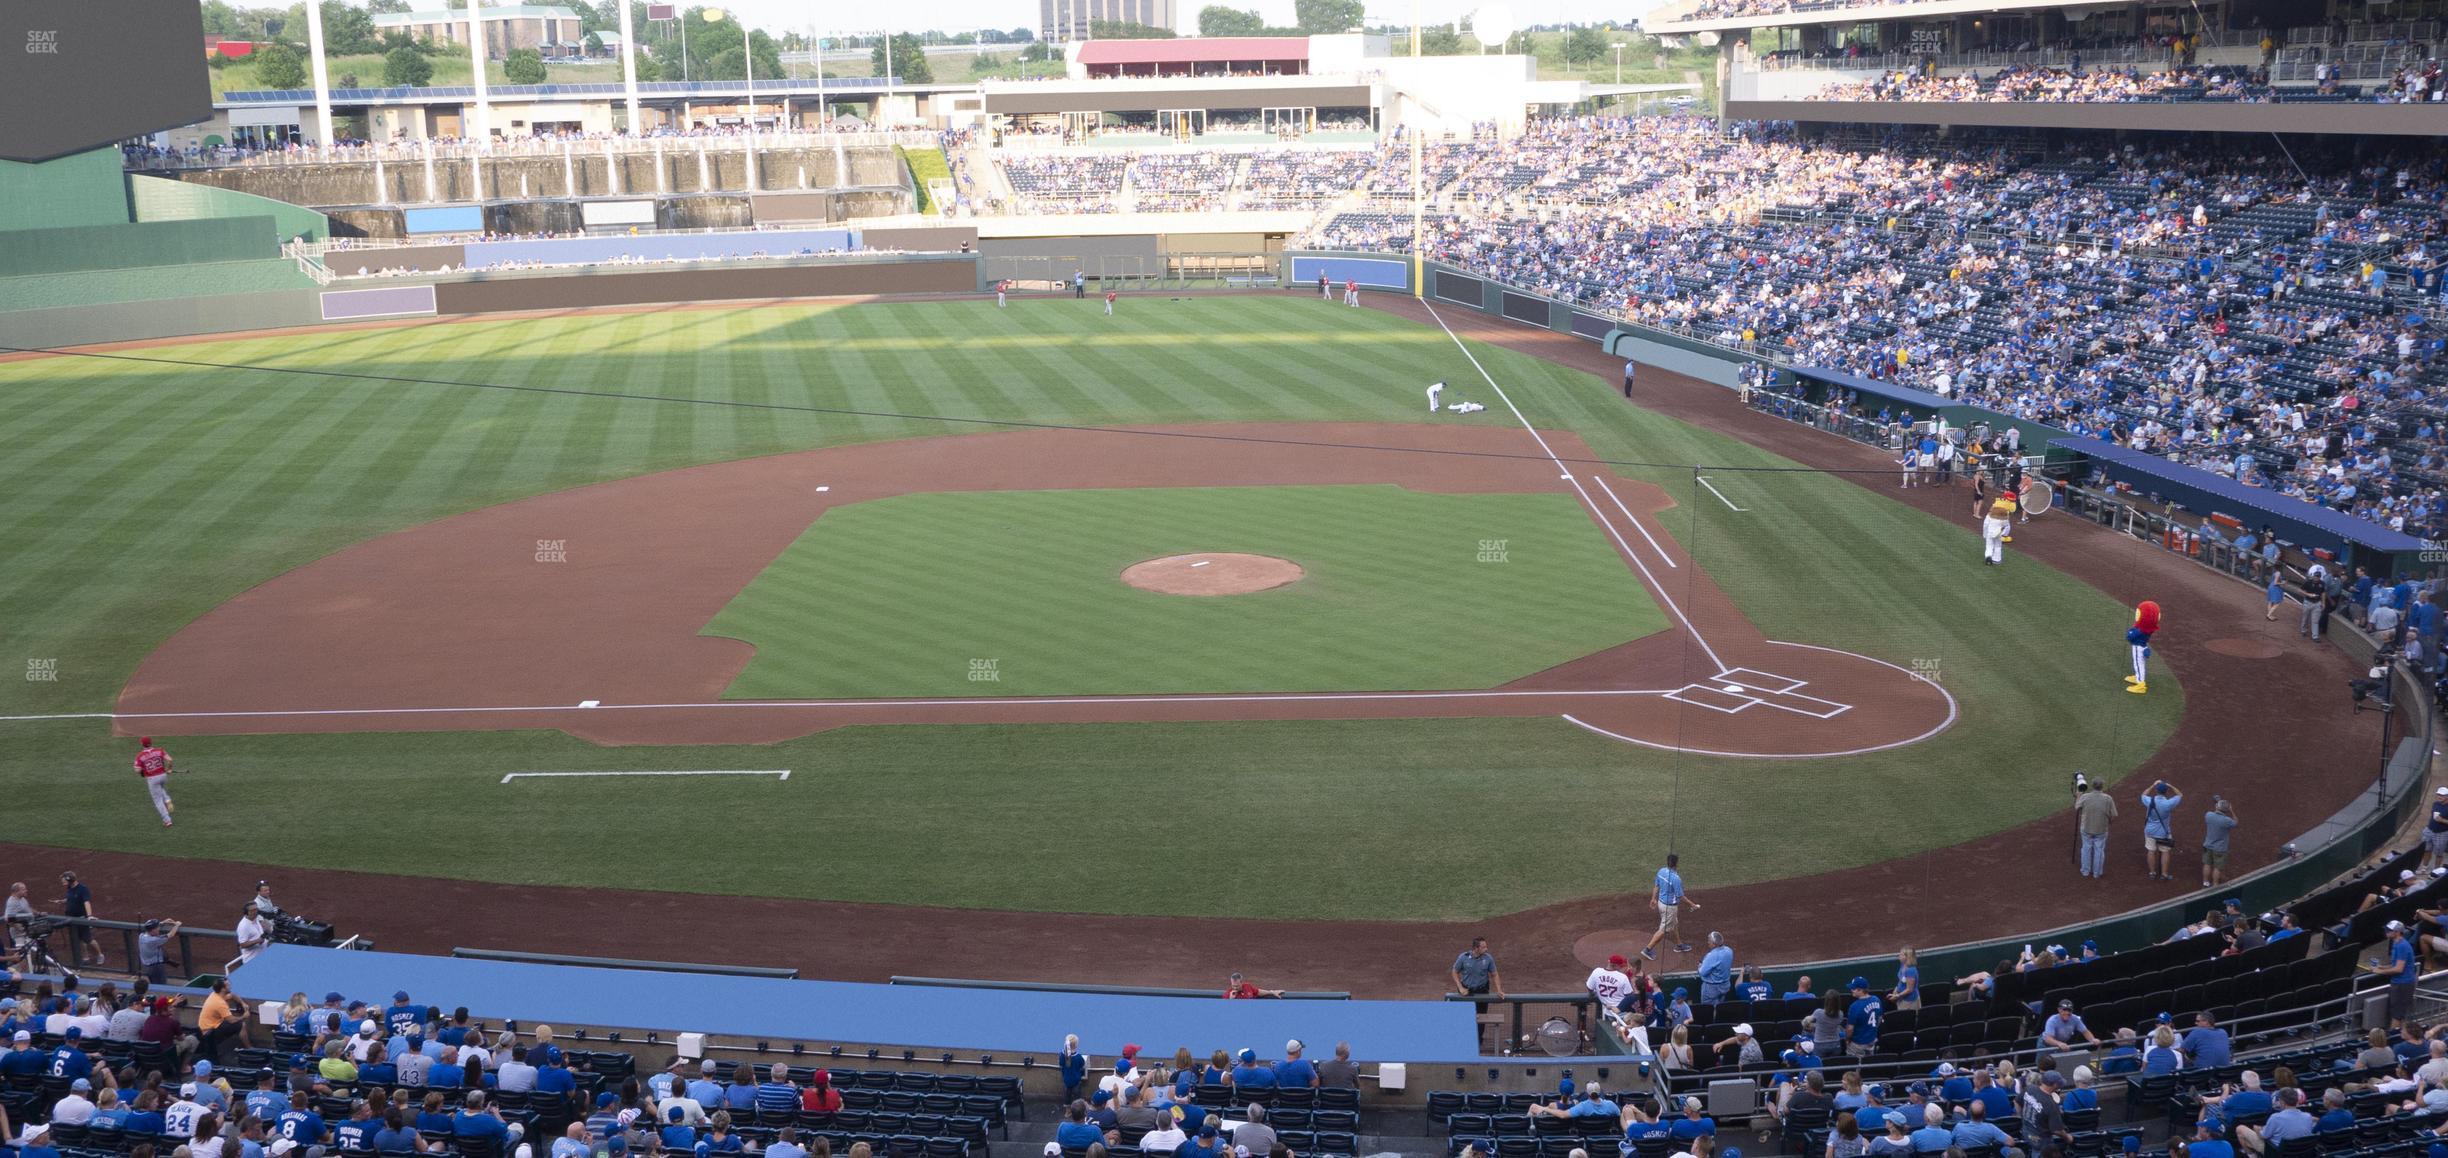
column 2352, row 541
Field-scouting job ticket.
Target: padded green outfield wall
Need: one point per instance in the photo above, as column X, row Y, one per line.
column 80, row 248
column 86, row 189
column 162, row 199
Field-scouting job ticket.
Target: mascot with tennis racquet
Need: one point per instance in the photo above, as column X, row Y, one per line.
column 2138, row 637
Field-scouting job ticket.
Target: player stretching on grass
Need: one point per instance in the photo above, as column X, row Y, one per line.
column 2145, row 625
column 154, row 765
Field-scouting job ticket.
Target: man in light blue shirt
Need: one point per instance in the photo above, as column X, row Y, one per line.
column 2289, row 1122
column 1933, row 1137
column 1716, row 969
column 1975, row 1131
column 1667, row 897
column 2158, row 838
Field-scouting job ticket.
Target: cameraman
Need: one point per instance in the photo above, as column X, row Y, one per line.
column 153, row 949
column 2218, row 825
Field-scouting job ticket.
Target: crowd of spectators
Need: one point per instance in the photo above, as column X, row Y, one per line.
column 2231, row 311
column 2060, row 85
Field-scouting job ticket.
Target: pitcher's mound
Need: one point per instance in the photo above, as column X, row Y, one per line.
column 1213, row 574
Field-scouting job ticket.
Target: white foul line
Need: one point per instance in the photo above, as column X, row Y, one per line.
column 1635, row 521
column 783, row 773
column 1703, row 481
column 1657, row 588
column 973, row 701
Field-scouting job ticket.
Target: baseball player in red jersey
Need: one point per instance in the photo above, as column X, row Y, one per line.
column 154, row 765
column 1109, row 301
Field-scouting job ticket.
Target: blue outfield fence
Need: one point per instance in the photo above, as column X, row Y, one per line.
column 1373, row 272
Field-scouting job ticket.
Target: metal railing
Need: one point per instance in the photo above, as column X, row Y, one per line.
column 56, row 940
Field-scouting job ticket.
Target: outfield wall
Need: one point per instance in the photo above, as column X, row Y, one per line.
column 487, row 293
column 165, row 318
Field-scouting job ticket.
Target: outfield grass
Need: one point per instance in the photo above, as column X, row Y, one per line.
column 898, row 596
column 141, row 495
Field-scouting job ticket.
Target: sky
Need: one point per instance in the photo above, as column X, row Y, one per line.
column 955, row 15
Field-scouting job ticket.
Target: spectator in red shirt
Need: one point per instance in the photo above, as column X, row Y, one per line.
column 1240, row 988
column 820, row 1097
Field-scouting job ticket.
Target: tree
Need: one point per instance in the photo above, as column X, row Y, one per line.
column 909, row 60
column 347, row 29
column 1325, row 17
column 1125, row 30
column 279, row 66
column 524, row 66
column 593, row 44
column 406, row 67
column 385, row 6
column 347, row 80
column 222, row 20
column 1585, row 45
column 1217, row 20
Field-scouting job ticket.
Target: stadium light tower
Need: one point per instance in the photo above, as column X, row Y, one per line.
column 483, row 129
column 322, row 73
column 1619, row 47
column 629, row 49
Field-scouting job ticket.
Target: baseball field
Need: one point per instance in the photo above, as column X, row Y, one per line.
column 357, row 580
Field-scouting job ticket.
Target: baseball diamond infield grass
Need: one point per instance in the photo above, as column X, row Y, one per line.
column 143, row 493
column 897, row 597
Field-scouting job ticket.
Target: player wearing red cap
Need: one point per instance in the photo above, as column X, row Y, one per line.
column 2145, row 625
column 154, row 765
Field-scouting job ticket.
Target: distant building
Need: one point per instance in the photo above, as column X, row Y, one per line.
column 549, row 29
column 1067, row 20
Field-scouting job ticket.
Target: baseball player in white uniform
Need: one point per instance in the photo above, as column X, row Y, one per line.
column 1434, row 388
column 154, row 765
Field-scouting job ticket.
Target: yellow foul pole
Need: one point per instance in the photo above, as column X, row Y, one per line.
column 1419, row 195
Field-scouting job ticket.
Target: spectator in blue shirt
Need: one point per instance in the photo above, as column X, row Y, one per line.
column 478, row 1119
column 1997, row 1101
column 1755, row 986
column 2207, row 1144
column 1716, row 969
column 1253, row 1074
column 2289, row 1122
column 2401, row 973
column 1693, row 1124
column 2158, row 835
column 300, row 1124
column 402, row 1018
column 395, row 1137
column 2206, row 1043
column 2334, row 1114
column 676, row 1134
column 739, row 1096
column 1073, row 1063
column 703, row 1089
column 1077, row 1132
column 2082, row 1096
column 2063, row 1029
column 1975, row 1130
column 1907, row 991
column 1295, row 1072
column 780, row 1096
column 1861, row 1019
column 1933, row 1137
column 1802, row 989
column 1954, row 1085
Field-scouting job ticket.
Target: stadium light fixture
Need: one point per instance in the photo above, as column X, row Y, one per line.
column 1619, row 47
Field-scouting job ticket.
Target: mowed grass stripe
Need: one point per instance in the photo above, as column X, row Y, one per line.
column 907, row 589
